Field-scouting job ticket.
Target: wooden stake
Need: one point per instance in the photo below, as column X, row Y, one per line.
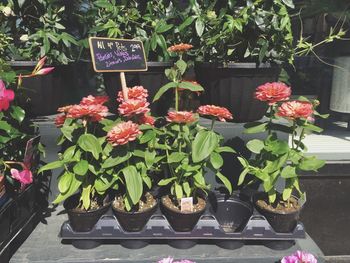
column 124, row 87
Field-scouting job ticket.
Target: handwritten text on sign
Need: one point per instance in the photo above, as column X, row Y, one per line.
column 117, row 55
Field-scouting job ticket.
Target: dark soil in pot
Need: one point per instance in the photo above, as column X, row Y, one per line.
column 82, row 220
column 182, row 221
column 135, row 220
column 233, row 86
column 152, row 79
column 283, row 216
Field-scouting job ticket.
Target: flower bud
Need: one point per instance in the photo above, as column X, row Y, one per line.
column 24, row 38
column 7, row 11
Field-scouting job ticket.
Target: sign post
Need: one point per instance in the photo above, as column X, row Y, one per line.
column 117, row 55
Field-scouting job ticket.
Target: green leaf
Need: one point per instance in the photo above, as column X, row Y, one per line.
column 288, row 172
column 255, row 145
column 178, row 191
column 203, row 145
column 67, row 131
column 69, row 153
column 75, row 184
column 288, row 3
column 104, row 182
column 163, row 89
column 65, row 181
column 226, row 149
column 147, row 181
column 18, row 113
column 190, row 86
column 147, row 136
column 243, row 162
column 90, row 143
column 149, row 158
column 166, row 181
column 134, row 183
column 313, row 128
column 242, row 176
column 163, row 27
column 189, row 20
column 181, row 65
column 187, row 189
column 176, row 157
column 255, row 127
column 311, row 164
column 85, row 197
column 216, row 160
column 277, row 147
column 225, row 181
column 81, row 167
column 112, row 162
column 200, row 27
column 51, row 166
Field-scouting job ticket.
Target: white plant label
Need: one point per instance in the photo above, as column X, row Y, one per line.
column 187, row 204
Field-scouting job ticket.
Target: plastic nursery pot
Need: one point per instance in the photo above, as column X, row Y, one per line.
column 233, row 86
column 280, row 221
column 84, row 221
column 181, row 221
column 134, row 221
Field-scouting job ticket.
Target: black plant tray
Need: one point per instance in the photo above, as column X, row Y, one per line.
column 158, row 228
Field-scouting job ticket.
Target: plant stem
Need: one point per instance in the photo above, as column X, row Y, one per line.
column 270, row 119
column 300, row 138
column 212, row 124
column 293, row 133
column 176, row 99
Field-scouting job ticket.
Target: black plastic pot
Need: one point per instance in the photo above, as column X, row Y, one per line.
column 47, row 93
column 5, row 219
column 83, row 221
column 233, row 87
column 152, row 79
column 181, row 222
column 281, row 222
column 134, row 221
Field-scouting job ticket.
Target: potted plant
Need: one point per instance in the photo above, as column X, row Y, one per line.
column 189, row 150
column 83, row 162
column 134, row 160
column 276, row 159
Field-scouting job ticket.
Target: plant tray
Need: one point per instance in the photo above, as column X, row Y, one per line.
column 207, row 229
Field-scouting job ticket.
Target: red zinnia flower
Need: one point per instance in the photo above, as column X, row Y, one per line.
column 60, row 119
column 220, row 112
column 6, row 96
column 273, row 92
column 146, row 119
column 180, row 48
column 64, row 109
column 133, row 107
column 123, row 133
column 136, row 92
column 181, row 117
column 296, row 109
column 91, row 100
column 92, row 112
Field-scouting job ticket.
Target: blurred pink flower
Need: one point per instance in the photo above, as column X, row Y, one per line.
column 24, row 177
column 6, row 96
column 44, row 71
column 171, row 260
column 299, row 257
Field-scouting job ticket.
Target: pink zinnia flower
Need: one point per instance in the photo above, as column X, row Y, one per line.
column 60, row 119
column 92, row 100
column 24, row 177
column 146, row 119
column 136, row 92
column 296, row 109
column 133, row 107
column 6, row 96
column 273, row 92
column 219, row 112
column 181, row 117
column 299, row 257
column 123, row 133
column 92, row 112
column 65, row 109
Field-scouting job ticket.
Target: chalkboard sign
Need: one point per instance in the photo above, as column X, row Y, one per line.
column 117, row 55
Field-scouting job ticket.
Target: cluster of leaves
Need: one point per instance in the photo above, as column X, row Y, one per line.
column 275, row 159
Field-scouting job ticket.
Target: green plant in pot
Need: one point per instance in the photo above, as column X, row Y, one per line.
column 277, row 160
column 84, row 181
column 134, row 158
column 190, row 150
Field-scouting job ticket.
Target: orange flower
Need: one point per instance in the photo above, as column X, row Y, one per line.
column 273, row 92
column 181, row 117
column 211, row 110
column 91, row 100
column 91, row 112
column 60, row 119
column 123, row 133
column 146, row 119
column 133, row 107
column 296, row 109
column 64, row 109
column 179, row 48
column 136, row 92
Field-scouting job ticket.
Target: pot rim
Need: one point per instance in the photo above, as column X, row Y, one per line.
column 184, row 213
column 233, row 199
column 237, row 65
column 107, row 204
column 137, row 212
column 254, row 199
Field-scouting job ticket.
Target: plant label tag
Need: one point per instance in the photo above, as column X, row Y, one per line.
column 302, row 200
column 31, row 158
column 187, row 204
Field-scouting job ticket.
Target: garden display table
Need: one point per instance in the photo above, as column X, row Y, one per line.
column 44, row 246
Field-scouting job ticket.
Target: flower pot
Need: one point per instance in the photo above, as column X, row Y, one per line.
column 134, row 221
column 233, row 87
column 280, row 221
column 2, row 190
column 49, row 92
column 181, row 221
column 152, row 80
column 83, row 221
column 5, row 218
